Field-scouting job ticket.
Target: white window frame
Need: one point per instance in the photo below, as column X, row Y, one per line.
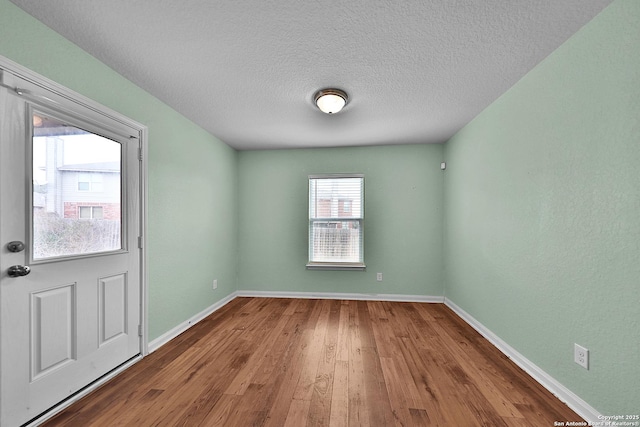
column 336, row 265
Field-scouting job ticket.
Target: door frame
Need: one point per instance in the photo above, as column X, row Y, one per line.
column 74, row 98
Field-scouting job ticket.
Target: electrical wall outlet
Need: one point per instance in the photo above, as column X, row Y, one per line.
column 581, row 356
column 215, row 284
column 379, row 277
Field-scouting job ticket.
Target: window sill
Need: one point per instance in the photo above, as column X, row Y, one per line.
column 351, row 266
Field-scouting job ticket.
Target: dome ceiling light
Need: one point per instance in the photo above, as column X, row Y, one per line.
column 331, row 101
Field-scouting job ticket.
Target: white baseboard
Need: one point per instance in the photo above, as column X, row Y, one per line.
column 341, row 296
column 574, row 402
column 172, row 333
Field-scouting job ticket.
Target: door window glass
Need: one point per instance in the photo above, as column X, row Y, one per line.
column 76, row 177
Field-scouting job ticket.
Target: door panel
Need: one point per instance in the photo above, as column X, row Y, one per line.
column 70, row 189
column 113, row 307
column 53, row 314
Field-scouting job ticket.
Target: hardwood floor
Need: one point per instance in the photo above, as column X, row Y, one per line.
column 288, row 362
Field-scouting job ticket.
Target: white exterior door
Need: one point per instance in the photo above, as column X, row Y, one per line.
column 70, row 287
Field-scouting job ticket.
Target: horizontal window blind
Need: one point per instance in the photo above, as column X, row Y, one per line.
column 336, row 214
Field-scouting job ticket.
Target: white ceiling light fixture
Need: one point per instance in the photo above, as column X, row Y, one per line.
column 331, row 101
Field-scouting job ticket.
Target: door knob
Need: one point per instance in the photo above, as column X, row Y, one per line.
column 18, row 270
column 15, row 246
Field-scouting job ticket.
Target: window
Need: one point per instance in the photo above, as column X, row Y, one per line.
column 346, row 207
column 90, row 212
column 90, row 182
column 336, row 216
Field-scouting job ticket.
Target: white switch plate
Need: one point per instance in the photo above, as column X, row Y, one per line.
column 215, row 283
column 379, row 277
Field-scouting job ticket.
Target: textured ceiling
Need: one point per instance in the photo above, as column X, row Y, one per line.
column 247, row 70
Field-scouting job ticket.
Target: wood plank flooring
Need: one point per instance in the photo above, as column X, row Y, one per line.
column 289, row 362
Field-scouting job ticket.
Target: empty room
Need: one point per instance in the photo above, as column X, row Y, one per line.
column 282, row 213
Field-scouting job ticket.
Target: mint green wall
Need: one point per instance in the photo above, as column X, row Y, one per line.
column 403, row 219
column 192, row 176
column 542, row 208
